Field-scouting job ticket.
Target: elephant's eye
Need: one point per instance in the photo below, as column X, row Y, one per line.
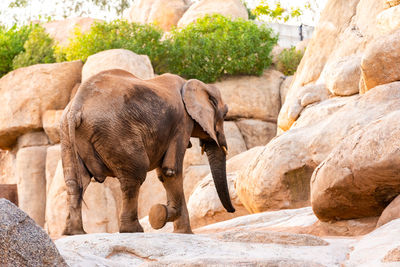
column 213, row 101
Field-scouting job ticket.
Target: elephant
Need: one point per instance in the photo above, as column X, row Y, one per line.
column 121, row 126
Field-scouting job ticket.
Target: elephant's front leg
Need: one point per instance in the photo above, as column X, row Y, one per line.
column 130, row 193
column 175, row 210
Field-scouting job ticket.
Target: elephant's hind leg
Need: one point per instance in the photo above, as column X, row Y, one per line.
column 129, row 222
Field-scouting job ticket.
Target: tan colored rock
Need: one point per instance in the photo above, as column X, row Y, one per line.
column 248, row 249
column 228, row 8
column 25, row 97
column 192, row 176
column 343, row 75
column 390, row 213
column 51, row 124
column 138, row 65
column 251, row 96
column 193, row 155
column 360, row 176
column 165, row 14
column 30, row 169
column 302, row 45
column 151, row 192
column 204, row 205
column 234, row 139
column 379, row 62
column 7, row 167
column 100, row 212
column 280, row 175
column 344, row 29
column 389, row 20
column 255, row 132
column 378, row 248
column 62, row 30
column 33, row 139
column 53, row 156
column 285, row 86
column 296, row 100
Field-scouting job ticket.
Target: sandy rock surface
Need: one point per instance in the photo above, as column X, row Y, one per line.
column 229, row 8
column 390, row 213
column 25, row 98
column 51, row 124
column 138, row 65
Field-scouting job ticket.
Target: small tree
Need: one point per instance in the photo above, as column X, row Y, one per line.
column 38, row 49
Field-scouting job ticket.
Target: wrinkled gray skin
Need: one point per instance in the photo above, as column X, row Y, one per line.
column 121, row 126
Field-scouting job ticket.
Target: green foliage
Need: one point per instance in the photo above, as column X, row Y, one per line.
column 38, row 49
column 277, row 12
column 141, row 39
column 11, row 44
column 215, row 46
column 289, row 59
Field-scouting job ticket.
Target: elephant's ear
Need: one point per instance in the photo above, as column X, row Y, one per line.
column 197, row 102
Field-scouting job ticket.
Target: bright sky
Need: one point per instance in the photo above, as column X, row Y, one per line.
column 41, row 9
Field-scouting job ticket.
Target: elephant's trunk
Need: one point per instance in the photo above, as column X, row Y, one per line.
column 217, row 160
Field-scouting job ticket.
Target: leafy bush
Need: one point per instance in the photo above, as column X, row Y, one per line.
column 216, row 45
column 38, row 49
column 141, row 39
column 289, row 59
column 11, row 44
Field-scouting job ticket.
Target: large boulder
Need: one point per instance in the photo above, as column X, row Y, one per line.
column 30, row 170
column 28, row 92
column 204, row 205
column 63, row 30
column 389, row 20
column 229, row 8
column 256, row 132
column 51, row 124
column 361, row 176
column 352, row 22
column 280, row 176
column 342, row 77
column 23, row 243
column 251, row 96
column 165, row 14
column 380, row 61
column 138, row 65
column 151, row 192
column 390, row 213
column 53, row 156
column 100, row 208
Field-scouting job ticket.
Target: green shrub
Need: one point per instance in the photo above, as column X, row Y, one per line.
column 216, row 45
column 141, row 39
column 288, row 60
column 38, row 49
column 11, row 44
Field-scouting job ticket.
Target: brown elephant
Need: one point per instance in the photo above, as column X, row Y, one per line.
column 121, row 126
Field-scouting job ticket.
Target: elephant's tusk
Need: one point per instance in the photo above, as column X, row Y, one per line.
column 225, row 150
column 202, row 149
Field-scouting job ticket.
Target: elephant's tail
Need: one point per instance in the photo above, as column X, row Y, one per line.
column 74, row 120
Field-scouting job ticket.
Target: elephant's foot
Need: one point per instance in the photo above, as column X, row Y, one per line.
column 130, row 227
column 73, row 229
column 183, row 231
column 158, row 216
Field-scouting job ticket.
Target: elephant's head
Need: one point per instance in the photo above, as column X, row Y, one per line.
column 204, row 104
